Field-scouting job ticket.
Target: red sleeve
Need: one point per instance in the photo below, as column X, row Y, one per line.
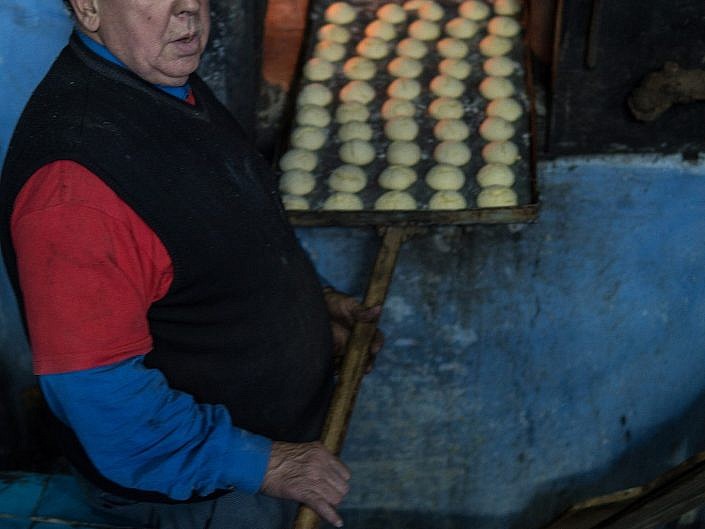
column 89, row 268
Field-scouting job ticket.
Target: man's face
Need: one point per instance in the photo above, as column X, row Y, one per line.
column 160, row 40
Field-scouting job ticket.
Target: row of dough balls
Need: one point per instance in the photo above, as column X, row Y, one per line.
column 398, row 112
column 496, row 178
column 447, row 177
column 343, row 13
column 347, row 180
column 333, row 36
column 310, row 134
column 362, row 67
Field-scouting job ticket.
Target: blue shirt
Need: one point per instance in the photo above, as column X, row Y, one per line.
column 140, row 433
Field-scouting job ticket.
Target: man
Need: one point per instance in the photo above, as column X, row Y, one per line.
column 179, row 331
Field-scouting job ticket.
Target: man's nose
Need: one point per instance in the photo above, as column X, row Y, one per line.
column 188, row 7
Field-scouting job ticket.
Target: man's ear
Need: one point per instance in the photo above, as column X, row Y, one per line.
column 87, row 13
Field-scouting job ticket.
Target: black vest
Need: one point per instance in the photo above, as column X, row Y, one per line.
column 244, row 323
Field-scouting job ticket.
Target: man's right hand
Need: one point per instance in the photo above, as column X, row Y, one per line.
column 310, row 474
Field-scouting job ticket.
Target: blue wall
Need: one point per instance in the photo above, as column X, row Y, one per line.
column 530, row 367
column 526, row 367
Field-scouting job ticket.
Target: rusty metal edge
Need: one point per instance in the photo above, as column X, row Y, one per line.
column 508, row 215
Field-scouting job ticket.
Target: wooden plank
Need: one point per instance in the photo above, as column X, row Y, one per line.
column 666, row 498
column 662, row 503
column 356, row 358
column 589, row 513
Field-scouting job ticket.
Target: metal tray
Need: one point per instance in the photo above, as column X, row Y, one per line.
column 474, row 104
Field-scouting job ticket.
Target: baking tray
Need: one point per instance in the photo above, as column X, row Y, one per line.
column 525, row 169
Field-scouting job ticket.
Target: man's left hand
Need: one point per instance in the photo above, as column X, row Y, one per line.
column 344, row 312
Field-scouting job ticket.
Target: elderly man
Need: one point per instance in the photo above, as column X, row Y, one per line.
column 179, row 331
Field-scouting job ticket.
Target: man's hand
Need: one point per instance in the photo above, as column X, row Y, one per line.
column 310, row 474
column 344, row 312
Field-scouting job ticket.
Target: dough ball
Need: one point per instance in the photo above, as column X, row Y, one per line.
column 297, row 182
column 308, row 137
column 357, row 152
column 424, row 30
column 404, row 88
column 352, row 111
column 395, row 200
column 317, row 69
column 447, row 200
column 413, row 5
column 348, row 179
column 412, row 48
column 452, row 153
column 335, row 33
column 499, row 66
column 359, row 68
column 451, row 129
column 457, row 68
column 340, row 13
column 343, row 202
column 397, row 177
column 504, row 152
column 446, row 108
column 405, row 67
column 430, row 10
column 315, row 94
column 507, row 7
column 496, row 129
column 329, row 50
column 496, row 196
column 494, row 46
column 504, row 108
column 503, row 26
column 392, row 13
column 372, row 48
column 357, row 91
column 447, row 86
column 294, row 202
column 461, row 28
column 474, row 10
column 406, row 153
column 496, row 88
column 444, row 177
column 397, row 108
column 298, row 159
column 405, row 129
column 495, row 174
column 452, row 48
column 380, row 29
column 313, row 115
column 355, row 130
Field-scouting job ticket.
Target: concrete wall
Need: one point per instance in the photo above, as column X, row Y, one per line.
column 526, row 367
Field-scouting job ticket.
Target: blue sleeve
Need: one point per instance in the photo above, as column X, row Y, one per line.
column 142, row 434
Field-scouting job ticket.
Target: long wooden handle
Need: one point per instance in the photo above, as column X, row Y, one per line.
column 355, row 359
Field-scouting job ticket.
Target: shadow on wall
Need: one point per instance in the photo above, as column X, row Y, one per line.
column 661, row 448
column 26, row 442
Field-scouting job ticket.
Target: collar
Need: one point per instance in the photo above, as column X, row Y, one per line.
column 181, row 92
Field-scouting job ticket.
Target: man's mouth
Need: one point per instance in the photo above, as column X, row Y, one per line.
column 188, row 44
column 187, row 38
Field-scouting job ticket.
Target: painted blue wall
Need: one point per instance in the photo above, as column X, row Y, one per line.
column 530, row 367
column 526, row 367
column 30, row 35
